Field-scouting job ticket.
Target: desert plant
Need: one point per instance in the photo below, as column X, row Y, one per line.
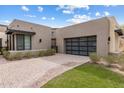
column 112, row 58
column 27, row 54
column 35, row 54
column 41, row 53
column 49, row 52
column 94, row 57
column 6, row 54
column 121, row 58
column 17, row 56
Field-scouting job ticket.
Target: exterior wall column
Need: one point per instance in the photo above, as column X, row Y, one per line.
column 15, row 42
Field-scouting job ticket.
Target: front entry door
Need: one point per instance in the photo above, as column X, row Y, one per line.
column 53, row 44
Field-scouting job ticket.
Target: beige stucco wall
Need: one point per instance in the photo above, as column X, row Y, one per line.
column 42, row 32
column 114, row 37
column 121, row 45
column 103, row 28
column 3, row 36
column 99, row 27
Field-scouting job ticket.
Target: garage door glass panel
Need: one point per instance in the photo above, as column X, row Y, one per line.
column 83, row 39
column 83, row 48
column 75, row 52
column 83, row 53
column 92, row 49
column 75, row 43
column 91, row 43
column 75, row 48
column 80, row 45
column 83, row 43
column 68, row 44
column 68, row 48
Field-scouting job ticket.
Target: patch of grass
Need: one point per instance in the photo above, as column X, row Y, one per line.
column 87, row 76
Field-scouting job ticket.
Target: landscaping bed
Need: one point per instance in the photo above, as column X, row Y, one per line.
column 87, row 76
column 18, row 55
column 114, row 62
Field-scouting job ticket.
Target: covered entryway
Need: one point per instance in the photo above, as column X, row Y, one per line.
column 80, row 45
column 19, row 39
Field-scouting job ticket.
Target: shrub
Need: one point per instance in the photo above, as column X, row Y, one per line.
column 50, row 52
column 17, row 56
column 41, row 53
column 6, row 54
column 27, row 54
column 94, row 57
column 121, row 58
column 112, row 58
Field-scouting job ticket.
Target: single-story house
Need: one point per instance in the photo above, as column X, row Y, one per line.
column 100, row 35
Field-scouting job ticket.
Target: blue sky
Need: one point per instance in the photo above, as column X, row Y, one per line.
column 58, row 16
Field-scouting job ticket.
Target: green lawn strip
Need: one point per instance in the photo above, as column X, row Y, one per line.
column 87, row 76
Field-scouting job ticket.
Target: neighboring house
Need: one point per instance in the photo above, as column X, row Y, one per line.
column 100, row 35
column 3, row 36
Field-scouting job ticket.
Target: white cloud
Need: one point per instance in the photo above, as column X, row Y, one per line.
column 79, row 19
column 24, row 8
column 7, row 21
column 40, row 9
column 106, row 13
column 67, row 12
column 69, row 9
column 30, row 15
column 44, row 18
column 110, row 5
column 107, row 5
column 83, row 6
column 52, row 18
column 98, row 14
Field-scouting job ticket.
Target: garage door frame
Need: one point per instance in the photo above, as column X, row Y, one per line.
column 87, row 40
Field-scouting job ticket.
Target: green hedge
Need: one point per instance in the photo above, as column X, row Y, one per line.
column 27, row 54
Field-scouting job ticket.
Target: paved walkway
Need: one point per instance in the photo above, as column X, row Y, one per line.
column 37, row 71
column 2, row 60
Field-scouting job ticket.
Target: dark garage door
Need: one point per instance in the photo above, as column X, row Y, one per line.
column 80, row 45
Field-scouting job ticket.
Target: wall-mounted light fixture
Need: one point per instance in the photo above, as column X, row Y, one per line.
column 109, row 38
column 40, row 40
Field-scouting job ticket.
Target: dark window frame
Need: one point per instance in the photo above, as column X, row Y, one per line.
column 23, row 41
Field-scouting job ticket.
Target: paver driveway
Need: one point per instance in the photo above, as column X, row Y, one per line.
column 36, row 72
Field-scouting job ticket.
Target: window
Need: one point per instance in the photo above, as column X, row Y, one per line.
column 27, row 42
column 20, row 42
column 23, row 42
